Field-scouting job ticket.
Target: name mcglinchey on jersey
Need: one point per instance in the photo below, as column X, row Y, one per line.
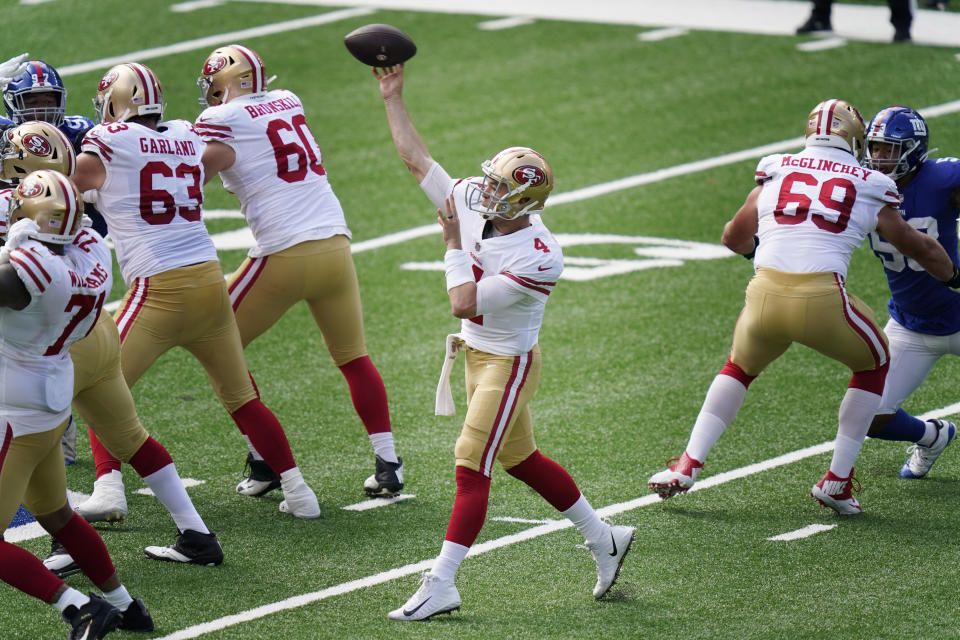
column 822, row 164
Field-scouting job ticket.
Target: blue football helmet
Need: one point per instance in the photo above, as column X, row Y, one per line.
column 35, row 76
column 905, row 131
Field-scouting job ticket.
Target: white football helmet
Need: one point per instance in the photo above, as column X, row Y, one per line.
column 128, row 90
column 517, row 181
column 50, row 199
column 836, row 123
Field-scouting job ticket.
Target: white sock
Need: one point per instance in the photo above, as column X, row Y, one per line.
column 291, row 478
column 451, row 555
column 383, row 446
column 119, row 598
column 929, row 435
column 585, row 519
column 856, row 413
column 253, row 450
column 724, row 399
column 70, row 597
column 168, row 487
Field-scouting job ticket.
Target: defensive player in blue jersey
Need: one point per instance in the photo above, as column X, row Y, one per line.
column 35, row 91
column 924, row 315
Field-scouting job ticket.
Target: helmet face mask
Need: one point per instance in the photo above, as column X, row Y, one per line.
column 51, row 200
column 896, row 142
column 127, row 91
column 516, row 182
column 36, row 93
column 836, row 123
column 229, row 72
column 33, row 146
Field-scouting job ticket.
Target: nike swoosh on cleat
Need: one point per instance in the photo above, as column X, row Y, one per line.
column 543, row 268
column 416, row 608
column 86, row 634
column 614, row 543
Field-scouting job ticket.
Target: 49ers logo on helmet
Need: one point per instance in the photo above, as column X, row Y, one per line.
column 30, row 188
column 529, row 175
column 37, row 145
column 213, row 64
column 108, row 79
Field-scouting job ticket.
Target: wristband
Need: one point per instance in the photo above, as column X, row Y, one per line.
column 457, row 263
column 954, row 280
column 756, row 243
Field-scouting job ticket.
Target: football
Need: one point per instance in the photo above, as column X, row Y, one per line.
column 379, row 45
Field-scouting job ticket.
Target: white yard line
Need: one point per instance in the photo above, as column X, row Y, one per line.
column 803, row 532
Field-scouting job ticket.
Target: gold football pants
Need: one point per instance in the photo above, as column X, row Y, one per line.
column 100, row 393
column 320, row 272
column 498, row 425
column 31, row 472
column 187, row 307
column 813, row 309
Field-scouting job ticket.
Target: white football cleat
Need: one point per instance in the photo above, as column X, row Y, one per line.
column 609, row 552
column 837, row 493
column 922, row 458
column 434, row 596
column 108, row 502
column 677, row 478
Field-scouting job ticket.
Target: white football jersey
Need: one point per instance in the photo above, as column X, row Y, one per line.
column 152, row 195
column 4, row 203
column 278, row 173
column 36, row 373
column 529, row 261
column 815, row 209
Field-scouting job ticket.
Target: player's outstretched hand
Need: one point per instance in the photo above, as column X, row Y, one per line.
column 391, row 80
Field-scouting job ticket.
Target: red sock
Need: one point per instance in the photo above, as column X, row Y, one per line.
column 368, row 394
column 263, row 429
column 150, row 458
column 549, row 479
column 469, row 507
column 102, row 458
column 85, row 546
column 21, row 569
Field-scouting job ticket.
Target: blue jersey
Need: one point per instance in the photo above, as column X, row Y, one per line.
column 920, row 302
column 75, row 127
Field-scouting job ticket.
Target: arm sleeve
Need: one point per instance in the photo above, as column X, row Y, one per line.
column 497, row 293
column 437, row 184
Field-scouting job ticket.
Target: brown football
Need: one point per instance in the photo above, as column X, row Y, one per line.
column 379, row 45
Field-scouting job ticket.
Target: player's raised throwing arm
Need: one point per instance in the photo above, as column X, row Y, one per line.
column 409, row 144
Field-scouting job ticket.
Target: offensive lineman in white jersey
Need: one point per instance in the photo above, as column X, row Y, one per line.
column 100, row 394
column 800, row 225
column 260, row 144
column 149, row 186
column 502, row 263
column 45, row 307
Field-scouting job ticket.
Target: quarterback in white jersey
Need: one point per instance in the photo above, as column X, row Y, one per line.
column 501, row 263
column 800, row 226
column 515, row 273
column 260, row 144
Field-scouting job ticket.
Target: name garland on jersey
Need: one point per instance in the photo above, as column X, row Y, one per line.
column 172, row 147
